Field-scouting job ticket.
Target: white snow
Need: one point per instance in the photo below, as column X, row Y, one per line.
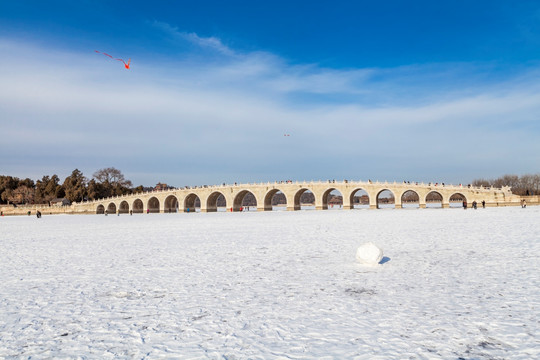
column 369, row 254
column 274, row 285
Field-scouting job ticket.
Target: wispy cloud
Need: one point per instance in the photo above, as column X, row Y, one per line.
column 211, row 42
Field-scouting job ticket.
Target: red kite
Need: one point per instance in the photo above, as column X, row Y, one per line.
column 126, row 65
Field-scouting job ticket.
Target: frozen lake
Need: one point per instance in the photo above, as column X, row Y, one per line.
column 453, row 284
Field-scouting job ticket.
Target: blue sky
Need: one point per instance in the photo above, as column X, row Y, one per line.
column 395, row 90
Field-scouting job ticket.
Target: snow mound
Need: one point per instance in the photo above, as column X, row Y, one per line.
column 369, row 254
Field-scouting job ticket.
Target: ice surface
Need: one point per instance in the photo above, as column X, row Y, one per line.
column 369, row 254
column 458, row 284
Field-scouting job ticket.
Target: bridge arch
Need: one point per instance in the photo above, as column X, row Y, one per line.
column 192, row 202
column 299, row 196
column 336, row 196
column 100, row 209
column 153, row 205
column 359, row 199
column 386, row 199
column 434, row 199
column 410, row 199
column 268, row 206
column 138, row 206
column 238, row 201
column 456, row 200
column 214, row 200
column 123, row 208
column 171, row 204
column 111, row 208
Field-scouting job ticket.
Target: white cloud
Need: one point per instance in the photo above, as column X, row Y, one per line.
column 211, row 42
column 196, row 121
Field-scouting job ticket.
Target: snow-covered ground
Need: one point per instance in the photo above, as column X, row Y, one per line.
column 454, row 284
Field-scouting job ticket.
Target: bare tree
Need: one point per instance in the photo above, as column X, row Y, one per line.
column 536, row 184
column 410, row 196
column 528, row 184
column 112, row 176
column 112, row 182
column 482, row 182
column 507, row 180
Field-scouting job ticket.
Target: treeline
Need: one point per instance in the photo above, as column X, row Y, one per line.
column 76, row 187
column 523, row 185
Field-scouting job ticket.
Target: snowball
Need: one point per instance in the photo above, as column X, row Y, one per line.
column 369, row 254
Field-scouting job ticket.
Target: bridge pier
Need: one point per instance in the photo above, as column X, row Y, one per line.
column 422, row 206
column 445, row 206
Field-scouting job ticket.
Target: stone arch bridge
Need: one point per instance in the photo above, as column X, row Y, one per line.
column 373, row 195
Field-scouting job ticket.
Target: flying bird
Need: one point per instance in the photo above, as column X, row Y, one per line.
column 126, row 65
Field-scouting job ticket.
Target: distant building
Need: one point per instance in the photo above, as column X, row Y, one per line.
column 335, row 200
column 161, row 187
column 60, row 202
